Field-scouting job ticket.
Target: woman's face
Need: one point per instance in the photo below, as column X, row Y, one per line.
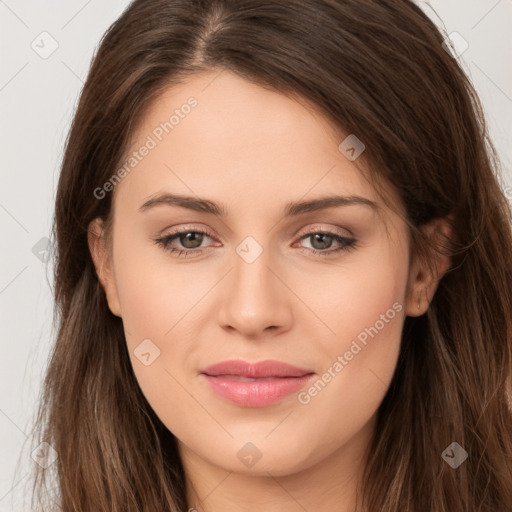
column 249, row 161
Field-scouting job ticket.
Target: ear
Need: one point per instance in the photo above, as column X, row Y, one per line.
column 103, row 264
column 422, row 283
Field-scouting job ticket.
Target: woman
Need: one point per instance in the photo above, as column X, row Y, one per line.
column 284, row 268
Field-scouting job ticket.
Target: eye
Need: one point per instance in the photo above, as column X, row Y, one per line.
column 324, row 240
column 191, row 241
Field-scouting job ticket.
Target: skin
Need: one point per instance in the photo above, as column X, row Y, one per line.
column 254, row 150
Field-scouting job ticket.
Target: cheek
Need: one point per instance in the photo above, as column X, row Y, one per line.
column 154, row 291
column 364, row 291
column 361, row 355
column 162, row 301
column 156, row 302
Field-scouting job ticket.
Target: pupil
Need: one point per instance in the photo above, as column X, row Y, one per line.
column 193, row 237
column 321, row 237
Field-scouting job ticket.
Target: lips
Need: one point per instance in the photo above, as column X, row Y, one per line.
column 260, row 370
column 255, row 384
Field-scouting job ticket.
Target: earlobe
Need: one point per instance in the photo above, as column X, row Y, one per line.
column 424, row 278
column 103, row 265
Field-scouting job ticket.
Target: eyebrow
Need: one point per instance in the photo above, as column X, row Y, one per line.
column 291, row 209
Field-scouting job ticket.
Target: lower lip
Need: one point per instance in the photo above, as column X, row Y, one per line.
column 257, row 393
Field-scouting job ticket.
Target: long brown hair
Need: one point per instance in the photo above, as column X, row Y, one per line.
column 377, row 69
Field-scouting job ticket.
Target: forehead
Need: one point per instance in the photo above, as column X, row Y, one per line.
column 218, row 135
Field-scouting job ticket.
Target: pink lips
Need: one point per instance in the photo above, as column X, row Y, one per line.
column 257, row 384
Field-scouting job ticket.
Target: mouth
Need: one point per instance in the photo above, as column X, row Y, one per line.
column 259, row 370
column 249, row 379
column 255, row 385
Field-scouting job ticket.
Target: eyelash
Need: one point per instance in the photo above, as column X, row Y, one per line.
column 349, row 243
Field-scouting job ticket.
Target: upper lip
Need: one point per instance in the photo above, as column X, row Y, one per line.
column 262, row 369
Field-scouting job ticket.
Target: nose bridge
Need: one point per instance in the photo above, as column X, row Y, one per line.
column 252, row 279
column 256, row 298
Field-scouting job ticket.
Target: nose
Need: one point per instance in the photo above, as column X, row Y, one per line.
column 257, row 301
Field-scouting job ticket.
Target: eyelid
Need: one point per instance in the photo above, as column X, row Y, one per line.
column 188, row 228
column 323, row 228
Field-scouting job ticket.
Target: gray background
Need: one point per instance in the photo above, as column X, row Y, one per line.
column 37, row 99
